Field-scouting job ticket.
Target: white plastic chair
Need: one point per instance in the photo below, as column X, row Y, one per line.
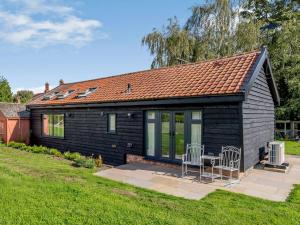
column 192, row 157
column 230, row 160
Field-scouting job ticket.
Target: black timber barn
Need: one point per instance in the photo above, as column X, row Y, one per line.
column 155, row 113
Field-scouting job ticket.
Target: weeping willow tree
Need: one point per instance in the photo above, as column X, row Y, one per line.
column 207, row 33
column 224, row 27
column 170, row 46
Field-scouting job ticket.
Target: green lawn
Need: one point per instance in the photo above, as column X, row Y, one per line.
column 40, row 189
column 292, row 147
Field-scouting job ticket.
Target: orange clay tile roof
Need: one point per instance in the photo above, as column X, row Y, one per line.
column 225, row 76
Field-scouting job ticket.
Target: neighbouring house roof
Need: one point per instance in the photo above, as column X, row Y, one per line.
column 224, row 76
column 36, row 96
column 14, row 110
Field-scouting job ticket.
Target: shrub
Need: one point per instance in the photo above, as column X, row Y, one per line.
column 38, row 149
column 79, row 162
column 89, row 163
column 84, row 162
column 72, row 155
column 16, row 145
column 55, row 152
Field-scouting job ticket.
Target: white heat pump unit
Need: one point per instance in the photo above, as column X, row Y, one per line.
column 276, row 153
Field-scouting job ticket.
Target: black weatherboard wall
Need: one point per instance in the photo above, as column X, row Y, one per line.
column 258, row 119
column 86, row 129
column 86, row 132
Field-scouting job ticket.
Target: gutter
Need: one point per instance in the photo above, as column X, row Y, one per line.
column 239, row 97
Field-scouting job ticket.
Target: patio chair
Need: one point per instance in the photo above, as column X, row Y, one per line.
column 230, row 160
column 192, row 157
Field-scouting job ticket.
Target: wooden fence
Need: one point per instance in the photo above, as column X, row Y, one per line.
column 287, row 129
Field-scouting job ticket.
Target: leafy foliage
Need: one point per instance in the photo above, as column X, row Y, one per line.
column 224, row 27
column 5, row 91
column 24, row 96
column 77, row 158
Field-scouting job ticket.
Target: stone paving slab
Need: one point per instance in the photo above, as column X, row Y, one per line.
column 258, row 183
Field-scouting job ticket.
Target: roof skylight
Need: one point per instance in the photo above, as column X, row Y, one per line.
column 64, row 95
column 86, row 92
column 50, row 96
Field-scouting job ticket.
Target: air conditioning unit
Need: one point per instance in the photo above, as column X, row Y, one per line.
column 276, row 153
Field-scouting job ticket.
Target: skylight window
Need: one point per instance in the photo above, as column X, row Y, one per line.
column 64, row 95
column 86, row 92
column 50, row 96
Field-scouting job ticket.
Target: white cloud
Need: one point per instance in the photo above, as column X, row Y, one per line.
column 40, row 24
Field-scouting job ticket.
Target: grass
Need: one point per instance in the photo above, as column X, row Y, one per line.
column 292, row 147
column 41, row 189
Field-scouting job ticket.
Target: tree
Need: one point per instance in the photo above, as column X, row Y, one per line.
column 278, row 23
column 5, row 91
column 24, row 96
column 208, row 33
column 170, row 46
column 224, row 27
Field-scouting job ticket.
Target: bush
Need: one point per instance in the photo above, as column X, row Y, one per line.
column 84, row 162
column 16, row 145
column 72, row 156
column 89, row 163
column 55, row 152
column 79, row 160
column 38, row 149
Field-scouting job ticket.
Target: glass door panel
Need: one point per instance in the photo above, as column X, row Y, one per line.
column 150, row 139
column 196, row 133
column 179, row 134
column 165, row 134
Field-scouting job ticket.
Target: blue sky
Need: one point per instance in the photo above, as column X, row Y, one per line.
column 78, row 39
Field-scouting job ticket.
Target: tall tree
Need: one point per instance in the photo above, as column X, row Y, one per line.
column 223, row 27
column 24, row 96
column 170, row 46
column 277, row 25
column 213, row 26
column 5, row 91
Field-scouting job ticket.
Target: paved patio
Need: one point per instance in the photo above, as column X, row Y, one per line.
column 258, row 183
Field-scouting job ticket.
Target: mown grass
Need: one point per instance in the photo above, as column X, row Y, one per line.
column 292, row 147
column 41, row 189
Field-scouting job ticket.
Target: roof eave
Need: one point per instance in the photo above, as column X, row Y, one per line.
column 210, row 99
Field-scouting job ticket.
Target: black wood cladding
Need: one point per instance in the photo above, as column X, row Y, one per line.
column 258, row 120
column 86, row 129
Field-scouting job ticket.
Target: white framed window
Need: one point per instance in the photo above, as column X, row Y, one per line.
column 111, row 126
